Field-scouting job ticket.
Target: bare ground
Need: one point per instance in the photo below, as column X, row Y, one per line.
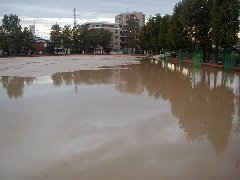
column 48, row 65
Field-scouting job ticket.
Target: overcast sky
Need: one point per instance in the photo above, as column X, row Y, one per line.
column 47, row 12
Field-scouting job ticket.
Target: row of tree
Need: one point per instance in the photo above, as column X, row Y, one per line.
column 205, row 24
column 79, row 38
column 14, row 38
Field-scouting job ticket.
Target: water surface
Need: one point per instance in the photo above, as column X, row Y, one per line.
column 142, row 121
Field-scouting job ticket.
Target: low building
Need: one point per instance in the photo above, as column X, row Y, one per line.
column 41, row 45
column 114, row 28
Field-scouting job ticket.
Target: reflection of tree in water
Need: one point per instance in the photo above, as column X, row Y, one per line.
column 202, row 112
column 204, row 109
column 15, row 85
column 126, row 79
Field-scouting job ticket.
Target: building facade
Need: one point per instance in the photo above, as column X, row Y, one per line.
column 114, row 28
column 41, row 45
column 122, row 19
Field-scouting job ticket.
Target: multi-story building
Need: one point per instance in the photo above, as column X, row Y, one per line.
column 123, row 18
column 114, row 28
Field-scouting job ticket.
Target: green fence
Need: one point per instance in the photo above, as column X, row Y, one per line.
column 166, row 55
column 182, row 55
column 228, row 60
column 197, row 58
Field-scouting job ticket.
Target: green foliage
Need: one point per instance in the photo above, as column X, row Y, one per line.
column 27, row 40
column 85, row 39
column 225, row 24
column 76, row 33
column 163, row 40
column 196, row 18
column 56, row 36
column 67, row 37
column 1, row 38
column 104, row 38
column 153, row 27
column 12, row 32
column 177, row 35
column 133, row 33
column 145, row 44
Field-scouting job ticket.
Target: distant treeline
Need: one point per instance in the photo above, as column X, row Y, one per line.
column 209, row 25
column 212, row 26
column 79, row 38
column 14, row 39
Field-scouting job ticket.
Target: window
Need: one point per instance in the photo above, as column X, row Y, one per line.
column 116, row 31
column 116, row 37
column 116, row 44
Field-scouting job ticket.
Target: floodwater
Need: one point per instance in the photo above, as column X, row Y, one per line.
column 143, row 121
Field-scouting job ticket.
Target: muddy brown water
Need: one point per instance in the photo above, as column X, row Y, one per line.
column 142, row 121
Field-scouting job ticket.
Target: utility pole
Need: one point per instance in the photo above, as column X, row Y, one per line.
column 74, row 17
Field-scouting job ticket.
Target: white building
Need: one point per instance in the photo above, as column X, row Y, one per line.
column 114, row 29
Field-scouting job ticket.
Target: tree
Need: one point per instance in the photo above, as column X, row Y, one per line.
column 224, row 24
column 76, row 34
column 177, row 35
column 28, row 40
column 12, row 31
column 67, row 37
column 56, row 36
column 144, row 39
column 153, row 29
column 88, row 39
column 133, row 30
column 105, row 37
column 2, row 43
column 196, row 19
column 163, row 34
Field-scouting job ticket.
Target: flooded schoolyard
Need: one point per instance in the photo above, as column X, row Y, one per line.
column 126, row 120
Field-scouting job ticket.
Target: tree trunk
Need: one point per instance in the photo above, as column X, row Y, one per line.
column 67, row 51
column 204, row 53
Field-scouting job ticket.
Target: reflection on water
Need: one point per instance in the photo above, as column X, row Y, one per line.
column 15, row 85
column 205, row 102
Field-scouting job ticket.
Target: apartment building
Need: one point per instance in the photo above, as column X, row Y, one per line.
column 122, row 19
column 114, row 29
